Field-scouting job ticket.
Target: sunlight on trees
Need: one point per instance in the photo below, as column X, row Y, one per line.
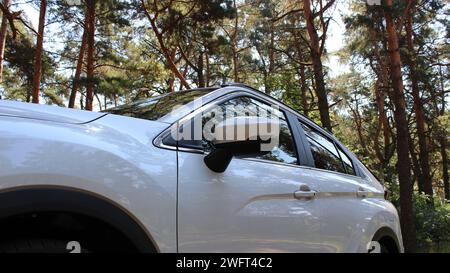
column 390, row 108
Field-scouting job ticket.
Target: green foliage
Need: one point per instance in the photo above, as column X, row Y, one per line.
column 269, row 42
column 19, row 69
column 432, row 217
column 433, row 222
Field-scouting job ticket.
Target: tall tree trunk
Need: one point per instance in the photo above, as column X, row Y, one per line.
column 359, row 129
column 385, row 86
column 172, row 53
column 425, row 183
column 381, row 87
column 76, row 79
column 99, row 102
column 29, row 93
column 304, row 89
column 81, row 102
column 90, row 10
column 317, row 66
column 185, row 71
column 415, row 162
column 376, row 142
column 383, row 124
column 200, row 71
column 235, row 65
column 272, row 47
column 38, row 53
column 401, row 123
column 171, row 83
column 3, row 34
column 443, row 134
column 208, row 70
column 445, row 163
column 234, row 46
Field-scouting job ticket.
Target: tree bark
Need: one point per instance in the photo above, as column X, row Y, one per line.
column 38, row 53
column 415, row 162
column 316, row 53
column 76, row 79
column 383, row 124
column 172, row 53
column 171, row 83
column 304, row 89
column 3, row 34
column 90, row 10
column 359, row 128
column 200, row 71
column 208, row 71
column 234, row 46
column 381, row 87
column 443, row 135
column 403, row 164
column 425, row 183
column 445, row 167
column 272, row 48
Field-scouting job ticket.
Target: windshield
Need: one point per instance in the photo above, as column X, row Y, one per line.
column 157, row 107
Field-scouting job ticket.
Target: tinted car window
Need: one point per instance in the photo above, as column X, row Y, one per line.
column 325, row 154
column 284, row 152
column 157, row 107
column 347, row 162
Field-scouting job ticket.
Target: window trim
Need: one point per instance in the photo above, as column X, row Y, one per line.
column 303, row 150
column 340, row 151
column 159, row 139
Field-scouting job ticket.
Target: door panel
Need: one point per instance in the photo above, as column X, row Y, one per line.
column 344, row 215
column 248, row 208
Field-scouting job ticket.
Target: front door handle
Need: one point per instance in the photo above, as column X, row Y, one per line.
column 304, row 193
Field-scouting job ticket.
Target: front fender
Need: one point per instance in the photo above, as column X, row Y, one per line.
column 119, row 165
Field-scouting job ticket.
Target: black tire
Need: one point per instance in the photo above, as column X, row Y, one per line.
column 384, row 250
column 35, row 245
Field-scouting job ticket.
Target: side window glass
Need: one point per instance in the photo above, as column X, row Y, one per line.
column 347, row 162
column 325, row 154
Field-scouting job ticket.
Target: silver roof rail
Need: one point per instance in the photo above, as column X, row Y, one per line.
column 238, row 85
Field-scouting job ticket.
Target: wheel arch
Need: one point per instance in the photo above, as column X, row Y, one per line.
column 385, row 235
column 43, row 198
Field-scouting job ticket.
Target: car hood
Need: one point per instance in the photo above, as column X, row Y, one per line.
column 47, row 112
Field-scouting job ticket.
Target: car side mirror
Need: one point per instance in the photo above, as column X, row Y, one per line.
column 241, row 136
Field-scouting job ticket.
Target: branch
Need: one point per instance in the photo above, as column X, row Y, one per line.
column 324, row 8
column 324, row 35
column 184, row 56
column 28, row 26
column 435, row 95
column 286, row 14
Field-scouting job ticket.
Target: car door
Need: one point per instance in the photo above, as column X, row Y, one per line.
column 259, row 204
column 345, row 199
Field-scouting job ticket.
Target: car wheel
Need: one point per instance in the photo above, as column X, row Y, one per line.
column 383, row 249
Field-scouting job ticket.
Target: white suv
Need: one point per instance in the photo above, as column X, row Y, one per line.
column 123, row 180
